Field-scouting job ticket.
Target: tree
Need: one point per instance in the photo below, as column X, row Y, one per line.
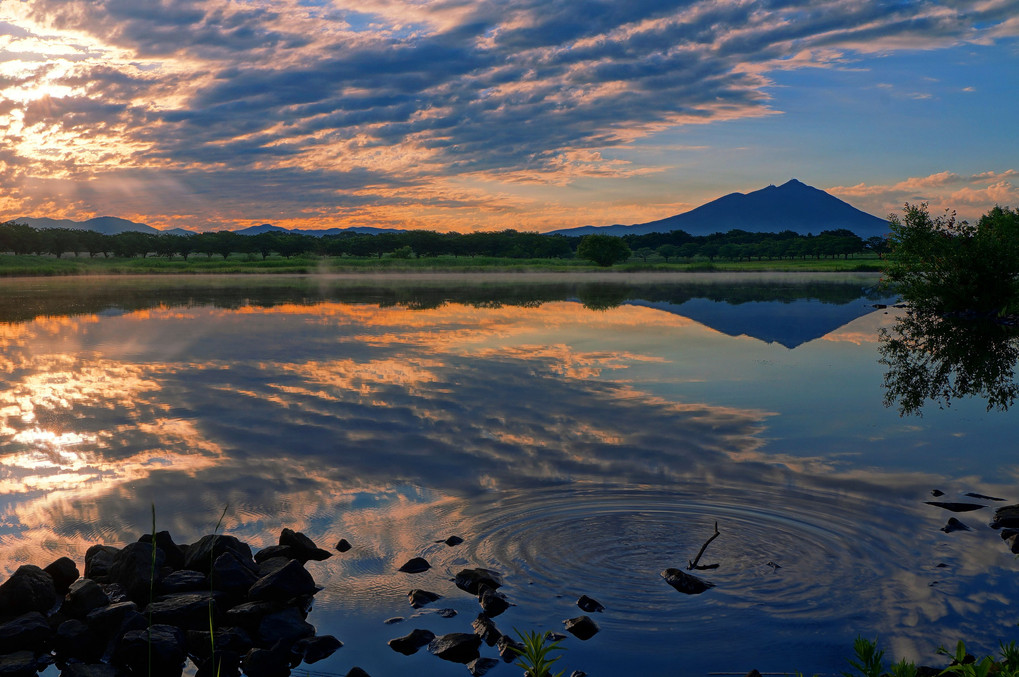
column 645, row 252
column 604, row 250
column 669, row 251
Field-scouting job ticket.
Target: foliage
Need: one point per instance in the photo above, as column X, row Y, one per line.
column 868, row 658
column 962, row 665
column 604, row 250
column 534, row 657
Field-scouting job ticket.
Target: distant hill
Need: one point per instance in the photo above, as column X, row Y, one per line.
column 792, row 206
column 268, row 227
column 110, row 225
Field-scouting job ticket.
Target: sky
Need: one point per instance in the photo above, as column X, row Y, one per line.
column 491, row 114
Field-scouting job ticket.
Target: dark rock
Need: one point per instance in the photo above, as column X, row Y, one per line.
column 18, row 664
column 485, row 628
column 224, row 663
column 984, row 497
column 201, row 643
column 83, row 597
column 480, row 666
column 343, row 545
column 157, row 651
column 287, row 625
column 956, row 507
column 186, row 610
column 471, row 580
column 416, row 565
column 394, row 620
column 304, row 547
column 105, row 620
column 315, row 649
column 356, row 672
column 232, row 575
column 419, row 598
column 274, row 662
column 1013, row 543
column 98, row 560
column 134, row 568
column 446, row 613
column 937, row 492
column 28, row 632
column 63, row 572
column 492, row 602
column 74, row 639
column 200, row 556
column 174, row 553
column 578, row 673
column 1006, row 516
column 184, row 580
column 554, row 636
column 954, row 525
column 754, row 673
column 509, row 648
column 272, row 565
column 293, row 580
column 93, row 669
column 581, row 627
column 284, row 551
column 115, row 592
column 28, row 589
column 684, row 582
column 249, row 614
column 452, row 540
column 410, row 643
column 457, row 647
column 590, row 605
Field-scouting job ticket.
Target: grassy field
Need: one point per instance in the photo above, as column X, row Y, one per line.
column 23, row 266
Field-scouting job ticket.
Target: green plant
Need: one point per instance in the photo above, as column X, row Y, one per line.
column 212, row 589
column 868, row 658
column 903, row 668
column 534, row 657
column 959, row 666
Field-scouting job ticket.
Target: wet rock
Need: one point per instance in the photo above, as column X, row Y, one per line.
column 83, row 597
column 202, row 644
column 98, row 560
column 686, row 583
column 28, row 632
column 134, row 569
column 394, row 620
column 578, row 673
column 292, row 580
column 485, row 628
column 419, row 598
column 284, row 551
column 446, row 613
column 224, row 663
column 480, row 666
column 509, row 648
column 174, row 553
column 956, row 507
column 249, row 614
column 18, row 664
column 984, row 497
column 274, row 662
column 457, row 647
column 157, row 651
column 754, row 673
column 452, row 540
column 63, row 572
column 304, row 547
column 199, row 556
column 106, row 620
column 412, row 642
column 74, row 639
column 287, row 625
column 589, row 604
column 1006, row 516
column 492, row 602
column 184, row 580
column 356, row 672
column 186, row 610
column 416, row 565
column 233, row 575
column 28, row 589
column 471, row 580
column 954, row 525
column 272, row 565
column 315, row 649
column 343, row 545
column 1013, row 542
column 937, row 492
column 581, row 627
column 93, row 669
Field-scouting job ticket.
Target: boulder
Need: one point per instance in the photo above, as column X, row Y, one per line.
column 446, row 613
column 419, row 598
column 272, row 565
column 284, row 551
column 480, row 666
column 492, row 602
column 292, row 580
column 249, row 614
column 184, row 580
column 224, row 663
column 157, row 651
column 28, row 632
column 28, row 589
column 199, row 556
column 18, row 664
column 686, row 583
column 356, row 672
column 314, row 649
column 485, row 628
column 1006, row 516
column 174, row 553
column 74, row 639
column 201, row 643
column 509, row 648
column 94, row 669
column 232, row 575
column 106, row 620
column 274, row 662
column 954, row 525
column 416, row 565
column 590, row 605
column 63, row 572
column 581, row 627
column 955, row 507
column 304, row 547
column 343, row 545
column 471, row 580
column 136, row 571
column 186, row 610
column 98, row 560
column 286, row 625
column 457, row 647
column 83, row 597
column 410, row 643
column 452, row 540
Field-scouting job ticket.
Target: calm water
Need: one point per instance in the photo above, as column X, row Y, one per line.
column 581, row 436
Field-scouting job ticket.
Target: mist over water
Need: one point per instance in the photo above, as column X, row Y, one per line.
column 580, row 434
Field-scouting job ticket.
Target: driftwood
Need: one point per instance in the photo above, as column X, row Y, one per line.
column 693, row 563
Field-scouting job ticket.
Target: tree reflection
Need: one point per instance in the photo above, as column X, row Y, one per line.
column 931, row 358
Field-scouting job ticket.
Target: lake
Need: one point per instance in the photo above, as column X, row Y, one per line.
column 580, row 433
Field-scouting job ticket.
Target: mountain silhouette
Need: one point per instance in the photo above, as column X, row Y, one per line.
column 110, row 225
column 792, row 206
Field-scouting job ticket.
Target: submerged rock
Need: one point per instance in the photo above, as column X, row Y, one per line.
column 956, row 507
column 457, row 647
column 343, row 545
column 416, row 565
column 485, row 628
column 492, row 602
column 954, row 525
column 452, row 540
column 411, row 642
column 26, row 632
column 480, row 666
column 303, row 547
column 686, row 583
column 471, row 580
column 419, row 598
column 589, row 604
column 1006, row 516
column 315, row 649
column 581, row 627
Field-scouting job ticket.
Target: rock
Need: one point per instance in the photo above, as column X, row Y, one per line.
column 457, row 647
column 63, row 572
column 274, row 662
column 581, row 627
column 223, row 664
column 83, row 597
column 284, row 551
column 394, row 620
column 174, row 553
column 452, row 540
column 356, row 672
column 134, row 569
column 293, row 580
column 186, row 610
column 28, row 589
column 303, row 546
column 984, row 497
column 98, row 560
column 508, row 648
column 937, row 492
column 1013, row 543
column 684, row 582
column 589, row 604
column 446, row 613
column 184, row 580
column 157, row 651
column 272, row 565
column 492, row 602
column 74, row 639
column 18, row 664
column 471, row 580
column 200, row 556
column 480, row 666
column 29, row 632
column 105, row 620
column 232, row 575
column 578, row 673
column 419, row 598
column 235, row 640
column 485, row 628
column 1006, row 516
column 94, row 669
column 416, row 565
column 315, row 649
column 954, row 525
column 956, row 507
column 754, row 673
column 343, row 545
column 410, row 643
column 287, row 625
column 249, row 614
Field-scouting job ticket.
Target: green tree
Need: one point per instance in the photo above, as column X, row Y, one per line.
column 644, row 252
column 669, row 251
column 604, row 250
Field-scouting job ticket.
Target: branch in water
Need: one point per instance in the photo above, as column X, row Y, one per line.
column 693, row 563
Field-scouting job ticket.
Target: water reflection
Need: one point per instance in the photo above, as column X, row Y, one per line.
column 935, row 359
column 578, row 451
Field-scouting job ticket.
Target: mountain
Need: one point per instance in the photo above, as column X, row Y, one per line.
column 110, row 225
column 268, row 227
column 792, row 206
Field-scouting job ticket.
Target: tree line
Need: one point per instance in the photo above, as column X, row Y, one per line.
column 734, row 245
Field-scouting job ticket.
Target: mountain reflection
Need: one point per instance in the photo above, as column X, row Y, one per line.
column 935, row 359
